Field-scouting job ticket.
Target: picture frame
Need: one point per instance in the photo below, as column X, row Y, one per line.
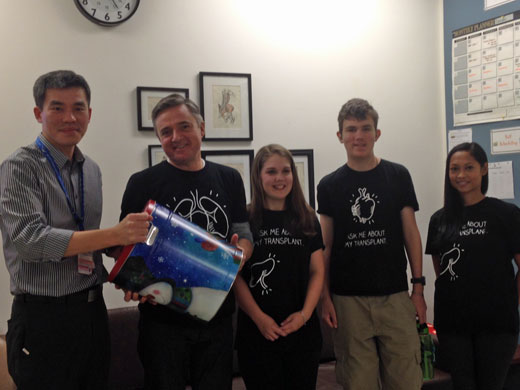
column 147, row 98
column 241, row 160
column 155, row 155
column 226, row 105
column 304, row 161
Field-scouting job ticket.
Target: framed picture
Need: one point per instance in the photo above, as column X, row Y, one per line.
column 226, row 105
column 147, row 98
column 155, row 154
column 304, row 161
column 241, row 160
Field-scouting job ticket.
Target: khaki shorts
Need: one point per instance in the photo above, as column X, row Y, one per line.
column 376, row 343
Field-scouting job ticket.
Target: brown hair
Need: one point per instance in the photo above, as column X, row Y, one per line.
column 175, row 100
column 300, row 214
column 358, row 109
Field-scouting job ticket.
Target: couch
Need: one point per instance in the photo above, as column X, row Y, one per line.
column 127, row 374
column 126, row 371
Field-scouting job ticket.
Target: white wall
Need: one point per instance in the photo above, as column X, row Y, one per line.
column 305, row 62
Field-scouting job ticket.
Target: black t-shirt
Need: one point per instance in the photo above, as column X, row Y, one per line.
column 278, row 276
column 212, row 198
column 476, row 289
column 368, row 256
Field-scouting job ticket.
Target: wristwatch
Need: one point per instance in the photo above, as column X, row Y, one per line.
column 421, row 280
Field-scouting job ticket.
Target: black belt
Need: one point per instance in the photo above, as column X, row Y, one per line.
column 85, row 296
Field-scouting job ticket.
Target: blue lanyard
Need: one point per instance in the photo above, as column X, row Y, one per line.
column 78, row 218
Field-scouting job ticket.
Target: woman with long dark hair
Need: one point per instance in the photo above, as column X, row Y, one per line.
column 278, row 336
column 473, row 240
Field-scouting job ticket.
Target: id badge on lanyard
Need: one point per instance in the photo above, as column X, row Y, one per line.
column 85, row 260
column 86, row 263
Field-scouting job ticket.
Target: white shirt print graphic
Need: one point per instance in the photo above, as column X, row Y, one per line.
column 205, row 212
column 363, row 206
column 449, row 259
column 260, row 271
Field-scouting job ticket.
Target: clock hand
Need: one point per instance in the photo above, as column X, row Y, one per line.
column 115, row 4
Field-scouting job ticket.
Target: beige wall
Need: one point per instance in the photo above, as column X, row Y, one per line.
column 305, row 62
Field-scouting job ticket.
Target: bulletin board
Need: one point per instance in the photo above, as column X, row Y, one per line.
column 482, row 85
column 486, row 71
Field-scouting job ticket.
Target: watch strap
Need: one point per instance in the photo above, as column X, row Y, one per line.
column 421, row 280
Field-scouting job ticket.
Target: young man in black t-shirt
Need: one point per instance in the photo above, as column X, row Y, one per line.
column 367, row 213
column 171, row 345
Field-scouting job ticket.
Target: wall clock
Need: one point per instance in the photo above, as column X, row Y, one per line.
column 107, row 12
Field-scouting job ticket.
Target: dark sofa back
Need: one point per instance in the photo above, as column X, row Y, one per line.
column 126, row 371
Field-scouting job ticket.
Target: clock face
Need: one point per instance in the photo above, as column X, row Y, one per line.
column 107, row 12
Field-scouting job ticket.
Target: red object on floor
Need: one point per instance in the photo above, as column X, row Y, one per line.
column 431, row 329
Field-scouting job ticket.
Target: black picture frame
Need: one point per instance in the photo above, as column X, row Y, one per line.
column 304, row 161
column 155, row 155
column 227, row 106
column 147, row 98
column 240, row 159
